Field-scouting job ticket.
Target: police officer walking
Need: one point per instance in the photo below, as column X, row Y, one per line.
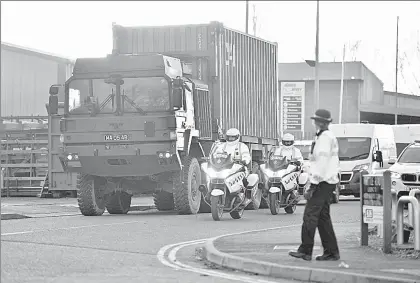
column 324, row 169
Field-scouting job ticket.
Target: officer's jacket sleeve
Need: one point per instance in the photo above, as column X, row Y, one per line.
column 246, row 156
column 320, row 159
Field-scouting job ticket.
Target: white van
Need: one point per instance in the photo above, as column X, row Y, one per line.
column 405, row 135
column 362, row 147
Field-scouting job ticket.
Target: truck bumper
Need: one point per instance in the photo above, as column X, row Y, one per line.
column 120, row 162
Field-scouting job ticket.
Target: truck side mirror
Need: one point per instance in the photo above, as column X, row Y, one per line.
column 53, row 105
column 177, row 98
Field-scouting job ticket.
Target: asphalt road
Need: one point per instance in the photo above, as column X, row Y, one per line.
column 138, row 247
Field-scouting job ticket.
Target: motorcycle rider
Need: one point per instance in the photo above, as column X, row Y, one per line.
column 288, row 150
column 238, row 150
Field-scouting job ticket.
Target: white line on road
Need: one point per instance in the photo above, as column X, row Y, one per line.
column 177, row 265
column 68, row 228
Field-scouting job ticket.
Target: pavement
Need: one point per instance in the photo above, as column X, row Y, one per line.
column 29, row 207
column 266, row 253
column 142, row 246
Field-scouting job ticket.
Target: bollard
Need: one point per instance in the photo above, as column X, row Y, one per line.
column 394, row 204
column 400, row 220
column 414, row 193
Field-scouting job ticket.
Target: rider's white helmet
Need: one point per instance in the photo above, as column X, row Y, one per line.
column 232, row 136
column 288, row 140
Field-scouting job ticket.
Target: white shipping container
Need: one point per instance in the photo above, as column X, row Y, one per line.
column 26, row 76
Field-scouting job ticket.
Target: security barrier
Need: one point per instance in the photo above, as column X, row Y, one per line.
column 400, row 220
column 414, row 193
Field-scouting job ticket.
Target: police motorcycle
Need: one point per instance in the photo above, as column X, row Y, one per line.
column 230, row 187
column 281, row 181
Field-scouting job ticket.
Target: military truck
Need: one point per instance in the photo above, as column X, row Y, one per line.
column 150, row 111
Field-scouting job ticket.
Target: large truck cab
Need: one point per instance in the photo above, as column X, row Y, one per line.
column 130, row 119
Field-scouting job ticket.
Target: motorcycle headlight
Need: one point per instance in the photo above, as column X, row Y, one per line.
column 395, row 175
column 361, row 167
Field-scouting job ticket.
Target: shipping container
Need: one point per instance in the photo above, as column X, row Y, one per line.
column 241, row 70
column 26, row 76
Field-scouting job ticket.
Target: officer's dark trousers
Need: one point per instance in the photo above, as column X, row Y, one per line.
column 317, row 215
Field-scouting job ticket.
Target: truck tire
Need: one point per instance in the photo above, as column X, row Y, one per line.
column 91, row 195
column 187, row 197
column 255, row 202
column 119, row 203
column 164, row 201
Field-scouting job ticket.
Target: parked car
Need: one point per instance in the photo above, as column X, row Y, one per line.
column 405, row 170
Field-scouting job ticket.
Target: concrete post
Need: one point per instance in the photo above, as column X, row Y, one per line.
column 364, row 228
column 400, row 220
column 414, row 193
column 387, row 212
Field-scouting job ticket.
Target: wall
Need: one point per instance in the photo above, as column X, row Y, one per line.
column 26, row 76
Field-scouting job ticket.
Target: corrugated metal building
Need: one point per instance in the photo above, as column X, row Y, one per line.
column 26, row 76
column 363, row 97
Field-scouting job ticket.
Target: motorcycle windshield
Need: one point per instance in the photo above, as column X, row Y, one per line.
column 277, row 162
column 220, row 159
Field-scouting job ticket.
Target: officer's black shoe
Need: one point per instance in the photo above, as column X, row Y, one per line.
column 300, row 255
column 328, row 257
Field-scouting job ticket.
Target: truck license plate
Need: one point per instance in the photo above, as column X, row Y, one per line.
column 121, row 137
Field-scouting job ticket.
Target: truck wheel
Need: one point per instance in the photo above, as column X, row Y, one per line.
column 255, row 202
column 119, row 203
column 164, row 201
column 91, row 195
column 187, row 197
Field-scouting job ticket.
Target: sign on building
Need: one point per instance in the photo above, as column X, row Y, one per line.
column 292, row 99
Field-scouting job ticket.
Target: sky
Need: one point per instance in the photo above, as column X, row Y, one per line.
column 368, row 29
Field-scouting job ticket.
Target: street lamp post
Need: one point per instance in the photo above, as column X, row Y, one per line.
column 316, row 92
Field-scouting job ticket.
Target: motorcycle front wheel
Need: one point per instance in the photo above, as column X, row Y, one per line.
column 216, row 208
column 274, row 202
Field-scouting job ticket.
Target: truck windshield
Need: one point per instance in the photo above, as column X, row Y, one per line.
column 304, row 149
column 352, row 148
column 410, row 155
column 150, row 94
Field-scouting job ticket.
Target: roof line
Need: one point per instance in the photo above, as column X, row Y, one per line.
column 36, row 52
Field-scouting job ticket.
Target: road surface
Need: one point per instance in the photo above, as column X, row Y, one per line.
column 138, row 247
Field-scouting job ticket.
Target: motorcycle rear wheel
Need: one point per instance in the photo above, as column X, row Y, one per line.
column 274, row 203
column 216, row 208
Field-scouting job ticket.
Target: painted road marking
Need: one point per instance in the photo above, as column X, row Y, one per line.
column 174, row 263
column 68, row 228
